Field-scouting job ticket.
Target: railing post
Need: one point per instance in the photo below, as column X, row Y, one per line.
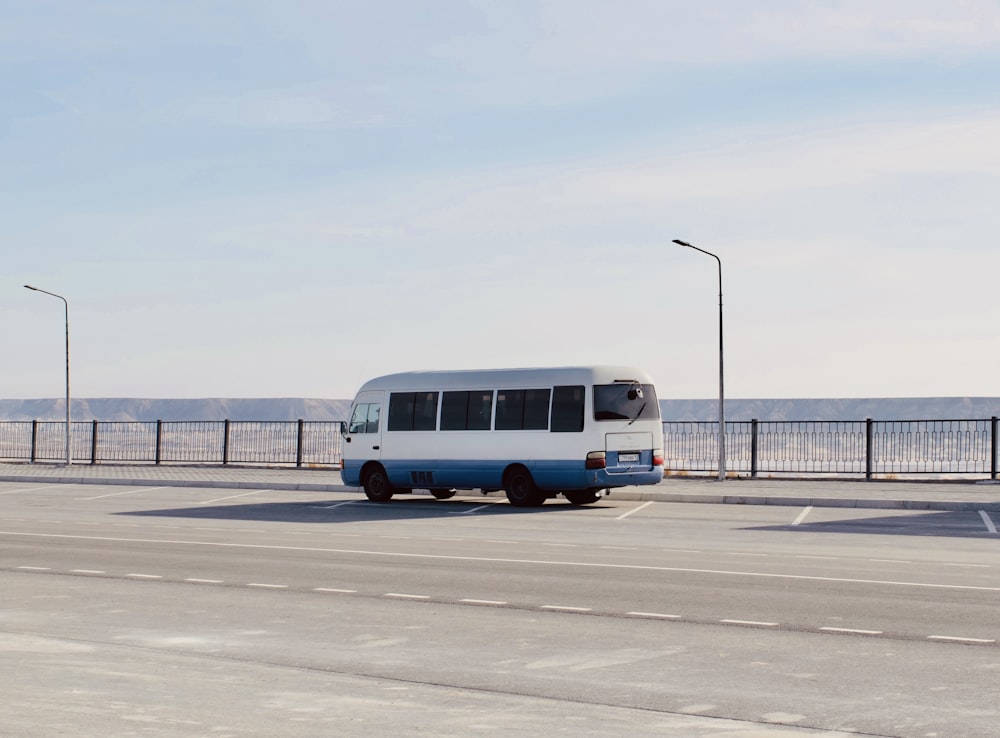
column 993, row 448
column 34, row 439
column 869, row 432
column 753, row 448
column 93, row 443
column 298, row 444
column 159, row 439
column 225, row 443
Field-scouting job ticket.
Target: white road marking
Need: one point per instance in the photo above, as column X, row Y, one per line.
column 960, row 639
column 654, row 615
column 858, row 631
column 749, row 622
column 146, row 576
column 407, row 596
column 890, row 561
column 989, row 523
column 802, row 516
column 565, row 608
column 119, row 494
column 29, row 489
column 331, row 589
column 620, row 548
column 86, row 571
column 233, row 497
column 204, row 581
column 484, row 602
column 267, row 586
column 335, row 505
column 634, row 510
column 35, row 568
column 502, row 560
column 477, row 508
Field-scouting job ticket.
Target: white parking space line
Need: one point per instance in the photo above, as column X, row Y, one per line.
column 474, row 509
column 634, row 510
column 335, row 505
column 233, row 497
column 119, row 494
column 802, row 516
column 29, row 489
column 989, row 523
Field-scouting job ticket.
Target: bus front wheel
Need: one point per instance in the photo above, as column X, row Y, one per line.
column 521, row 489
column 376, row 484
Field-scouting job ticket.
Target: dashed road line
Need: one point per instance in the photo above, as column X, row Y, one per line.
column 760, row 623
column 857, row 631
column 86, row 571
column 662, row 615
column 146, row 576
column 35, row 568
column 566, row 608
column 960, row 639
column 203, row 581
column 483, row 602
column 337, row 591
column 267, row 586
column 404, row 596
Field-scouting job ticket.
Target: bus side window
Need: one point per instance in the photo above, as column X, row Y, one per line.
column 413, row 411
column 567, row 409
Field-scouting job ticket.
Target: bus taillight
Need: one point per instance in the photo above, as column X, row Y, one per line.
column 597, row 460
column 657, row 458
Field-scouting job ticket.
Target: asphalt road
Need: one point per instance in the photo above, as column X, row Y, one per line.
column 205, row 611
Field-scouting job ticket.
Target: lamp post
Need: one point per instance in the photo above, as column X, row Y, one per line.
column 722, row 395
column 69, row 445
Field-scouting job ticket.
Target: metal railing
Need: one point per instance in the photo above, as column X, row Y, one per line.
column 869, row 448
column 262, row 443
column 872, row 448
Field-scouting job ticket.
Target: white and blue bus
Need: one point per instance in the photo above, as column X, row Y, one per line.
column 535, row 433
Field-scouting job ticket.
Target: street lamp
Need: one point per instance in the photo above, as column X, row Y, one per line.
column 69, row 446
column 722, row 396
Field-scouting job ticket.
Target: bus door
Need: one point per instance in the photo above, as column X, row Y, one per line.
column 364, row 431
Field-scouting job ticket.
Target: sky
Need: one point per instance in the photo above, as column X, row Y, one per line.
column 248, row 198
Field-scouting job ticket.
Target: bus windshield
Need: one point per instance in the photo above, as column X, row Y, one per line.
column 625, row 401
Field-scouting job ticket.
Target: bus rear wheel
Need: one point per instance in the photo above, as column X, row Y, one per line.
column 582, row 497
column 376, row 484
column 521, row 489
column 443, row 494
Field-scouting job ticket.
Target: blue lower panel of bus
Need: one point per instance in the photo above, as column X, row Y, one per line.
column 465, row 474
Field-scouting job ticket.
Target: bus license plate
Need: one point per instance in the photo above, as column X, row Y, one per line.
column 625, row 458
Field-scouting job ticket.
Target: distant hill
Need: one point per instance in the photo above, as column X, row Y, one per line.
column 881, row 408
column 132, row 409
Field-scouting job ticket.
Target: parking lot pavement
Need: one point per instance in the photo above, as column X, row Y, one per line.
column 883, row 494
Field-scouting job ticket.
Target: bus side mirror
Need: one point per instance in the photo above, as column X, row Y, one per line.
column 635, row 393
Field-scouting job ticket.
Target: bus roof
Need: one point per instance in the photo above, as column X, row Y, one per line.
column 525, row 378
